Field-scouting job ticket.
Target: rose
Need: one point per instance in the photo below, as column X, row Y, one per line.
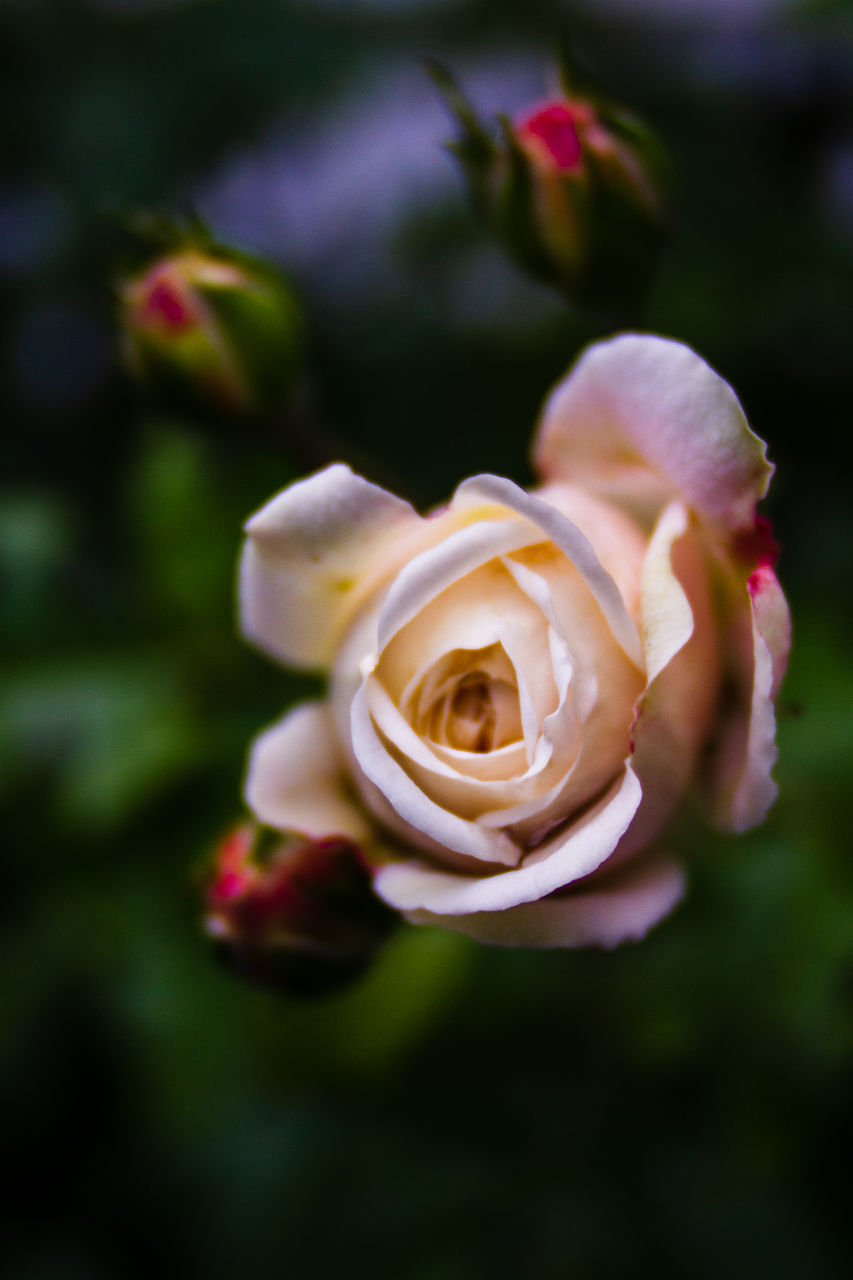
column 575, row 188
column 297, row 915
column 525, row 685
column 210, row 327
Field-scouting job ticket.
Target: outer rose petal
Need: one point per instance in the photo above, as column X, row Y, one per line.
column 642, row 419
column 312, row 554
column 742, row 789
column 605, row 912
column 772, row 621
column 295, row 777
column 680, row 638
column 569, row 856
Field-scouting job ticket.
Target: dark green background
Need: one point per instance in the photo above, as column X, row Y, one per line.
column 679, row 1108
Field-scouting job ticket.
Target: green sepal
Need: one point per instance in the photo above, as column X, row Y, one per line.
column 515, row 213
column 474, row 148
column 265, row 332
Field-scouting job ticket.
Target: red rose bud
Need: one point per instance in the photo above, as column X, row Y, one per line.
column 295, row 914
column 574, row 189
column 552, row 132
column 212, row 329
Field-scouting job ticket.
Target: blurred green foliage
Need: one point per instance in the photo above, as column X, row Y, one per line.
column 678, row 1108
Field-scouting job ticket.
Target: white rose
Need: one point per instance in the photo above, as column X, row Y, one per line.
column 523, row 686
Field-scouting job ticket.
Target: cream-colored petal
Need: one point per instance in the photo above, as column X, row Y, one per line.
column 568, row 609
column 603, row 912
column 640, row 418
column 667, row 619
column 619, row 542
column 500, row 767
column 412, row 804
column 570, row 856
column 393, row 725
column 312, row 556
column 742, row 788
column 471, row 785
column 295, row 780
column 441, row 566
column 599, row 663
column 568, row 538
column 680, row 629
column 543, row 673
column 472, row 612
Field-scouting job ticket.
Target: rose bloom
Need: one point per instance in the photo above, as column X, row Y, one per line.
column 525, row 685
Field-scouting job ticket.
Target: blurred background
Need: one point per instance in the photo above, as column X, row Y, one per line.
column 678, row 1108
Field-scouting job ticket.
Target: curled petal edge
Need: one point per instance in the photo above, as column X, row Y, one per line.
column 574, row 544
column 744, row 790
column 295, row 779
column 409, row 802
column 311, row 557
column 559, row 861
column 642, row 419
column 621, row 907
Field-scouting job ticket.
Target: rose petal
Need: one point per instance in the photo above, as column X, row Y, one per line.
column 573, row 544
column 619, row 907
column 295, row 777
column 439, row 567
column 471, row 613
column 619, row 542
column 742, row 788
column 537, row 588
column 667, row 619
column 490, row 601
column 422, row 815
column 570, row 856
column 477, row 779
column 641, row 418
column 312, row 555
column 600, row 665
column 679, row 630
column 772, row 621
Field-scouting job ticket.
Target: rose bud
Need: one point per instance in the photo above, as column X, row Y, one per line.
column 211, row 329
column 574, row 189
column 294, row 913
column 525, row 686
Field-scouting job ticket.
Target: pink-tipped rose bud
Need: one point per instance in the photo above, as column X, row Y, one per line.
column 293, row 913
column 575, row 190
column 551, row 135
column 212, row 329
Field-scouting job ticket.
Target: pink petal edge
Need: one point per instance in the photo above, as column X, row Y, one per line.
column 605, row 912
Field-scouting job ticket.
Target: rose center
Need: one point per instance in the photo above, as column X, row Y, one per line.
column 479, row 713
